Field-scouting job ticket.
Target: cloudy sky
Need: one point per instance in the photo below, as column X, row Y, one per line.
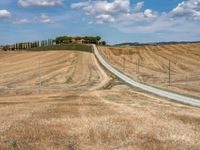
column 115, row 20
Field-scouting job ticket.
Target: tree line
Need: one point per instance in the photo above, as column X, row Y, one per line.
column 59, row 40
column 28, row 45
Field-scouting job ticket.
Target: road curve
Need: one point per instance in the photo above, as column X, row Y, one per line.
column 159, row 92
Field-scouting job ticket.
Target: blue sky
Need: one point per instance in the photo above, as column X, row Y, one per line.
column 115, row 20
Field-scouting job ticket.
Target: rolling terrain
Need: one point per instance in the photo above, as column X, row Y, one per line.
column 150, row 65
column 55, row 70
column 65, row 100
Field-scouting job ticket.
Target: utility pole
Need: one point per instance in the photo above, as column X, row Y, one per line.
column 39, row 74
column 138, row 68
column 169, row 71
column 124, row 63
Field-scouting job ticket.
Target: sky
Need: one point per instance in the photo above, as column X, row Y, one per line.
column 116, row 21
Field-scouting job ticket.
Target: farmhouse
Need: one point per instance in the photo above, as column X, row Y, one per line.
column 78, row 39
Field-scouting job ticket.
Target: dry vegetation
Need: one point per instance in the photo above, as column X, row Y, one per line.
column 154, row 65
column 81, row 107
column 56, row 70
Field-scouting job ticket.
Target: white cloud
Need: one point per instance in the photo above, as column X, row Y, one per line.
column 22, row 21
column 4, row 14
column 40, row 3
column 188, row 9
column 80, row 4
column 120, row 14
column 160, row 24
column 138, row 6
column 114, row 11
column 148, row 13
column 129, row 19
column 44, row 18
column 96, row 7
column 104, row 18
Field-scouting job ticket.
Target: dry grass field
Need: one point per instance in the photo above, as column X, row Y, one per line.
column 153, row 62
column 81, row 107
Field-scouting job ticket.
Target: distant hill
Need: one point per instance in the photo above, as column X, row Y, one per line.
column 156, row 43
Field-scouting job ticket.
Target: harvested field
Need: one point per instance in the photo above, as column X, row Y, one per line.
column 150, row 64
column 81, row 107
column 54, row 70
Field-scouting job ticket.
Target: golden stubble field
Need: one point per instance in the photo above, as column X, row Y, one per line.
column 80, row 106
column 150, row 65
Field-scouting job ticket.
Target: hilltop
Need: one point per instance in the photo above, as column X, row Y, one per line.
column 156, row 43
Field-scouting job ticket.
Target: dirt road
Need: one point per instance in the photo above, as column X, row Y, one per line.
column 81, row 107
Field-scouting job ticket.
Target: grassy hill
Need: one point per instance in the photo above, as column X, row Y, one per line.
column 74, row 47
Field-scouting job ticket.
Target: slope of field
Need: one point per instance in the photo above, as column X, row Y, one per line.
column 51, row 70
column 72, row 46
column 150, row 64
column 81, row 107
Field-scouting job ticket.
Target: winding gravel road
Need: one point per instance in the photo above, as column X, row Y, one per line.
column 159, row 92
